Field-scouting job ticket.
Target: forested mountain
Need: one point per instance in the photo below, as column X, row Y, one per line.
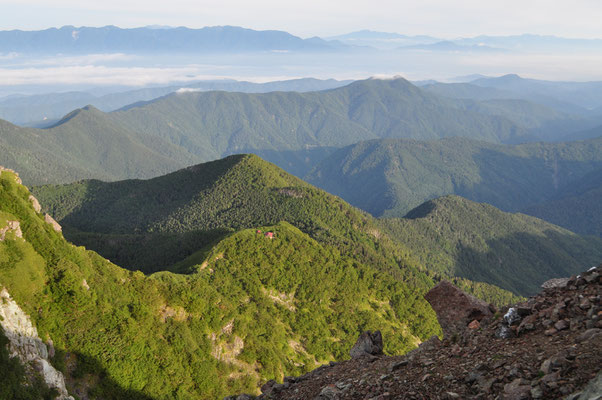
column 577, row 206
column 86, row 144
column 390, row 177
column 250, row 306
column 46, row 109
column 176, row 218
column 458, row 237
column 292, row 129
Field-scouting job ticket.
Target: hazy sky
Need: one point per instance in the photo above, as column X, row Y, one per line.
column 443, row 18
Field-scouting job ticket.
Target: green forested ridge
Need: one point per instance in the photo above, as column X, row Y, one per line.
column 237, row 192
column 86, row 145
column 136, row 223
column 181, row 129
column 457, row 237
column 254, row 309
column 391, row 176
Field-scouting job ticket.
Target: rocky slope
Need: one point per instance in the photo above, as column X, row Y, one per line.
column 547, row 347
column 25, row 344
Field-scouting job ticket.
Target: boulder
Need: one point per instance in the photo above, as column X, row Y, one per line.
column 555, row 283
column 455, row 309
column 368, row 344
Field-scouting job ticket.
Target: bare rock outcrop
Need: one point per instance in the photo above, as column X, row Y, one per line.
column 368, row 344
column 35, row 203
column 11, row 226
column 455, row 309
column 25, row 344
column 55, row 225
column 17, row 179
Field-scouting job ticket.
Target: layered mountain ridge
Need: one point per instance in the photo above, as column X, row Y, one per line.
column 453, row 237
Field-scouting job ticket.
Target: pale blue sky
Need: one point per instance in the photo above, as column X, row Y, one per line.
column 443, row 18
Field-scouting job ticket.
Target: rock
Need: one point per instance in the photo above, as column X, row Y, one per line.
column 35, row 203
column 452, row 395
column 343, row 386
column 454, row 308
column 591, row 276
column 24, row 343
column 472, row 377
column 329, row 392
column 536, row 392
column 511, row 317
column 555, row 283
column 561, row 325
column 397, row 365
column 546, row 366
column 55, row 225
column 431, row 343
column 550, row 332
column 518, row 389
column 593, row 390
column 588, row 335
column 523, row 311
column 550, row 379
column 504, row 332
column 11, row 226
column 369, row 343
column 474, row 324
column 527, row 324
column 268, row 387
column 17, row 179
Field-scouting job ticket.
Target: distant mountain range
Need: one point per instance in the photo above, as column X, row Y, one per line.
column 111, row 39
column 228, row 39
column 518, row 43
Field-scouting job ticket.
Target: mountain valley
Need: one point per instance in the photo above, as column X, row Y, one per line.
column 219, row 212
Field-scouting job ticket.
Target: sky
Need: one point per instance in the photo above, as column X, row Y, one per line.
column 441, row 18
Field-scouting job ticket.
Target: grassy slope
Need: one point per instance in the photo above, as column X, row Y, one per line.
column 292, row 301
column 517, row 252
column 390, row 177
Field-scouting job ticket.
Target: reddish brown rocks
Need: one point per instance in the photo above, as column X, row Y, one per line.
column 455, row 309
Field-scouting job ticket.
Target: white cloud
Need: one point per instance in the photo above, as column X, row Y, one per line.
column 91, row 75
column 188, row 90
